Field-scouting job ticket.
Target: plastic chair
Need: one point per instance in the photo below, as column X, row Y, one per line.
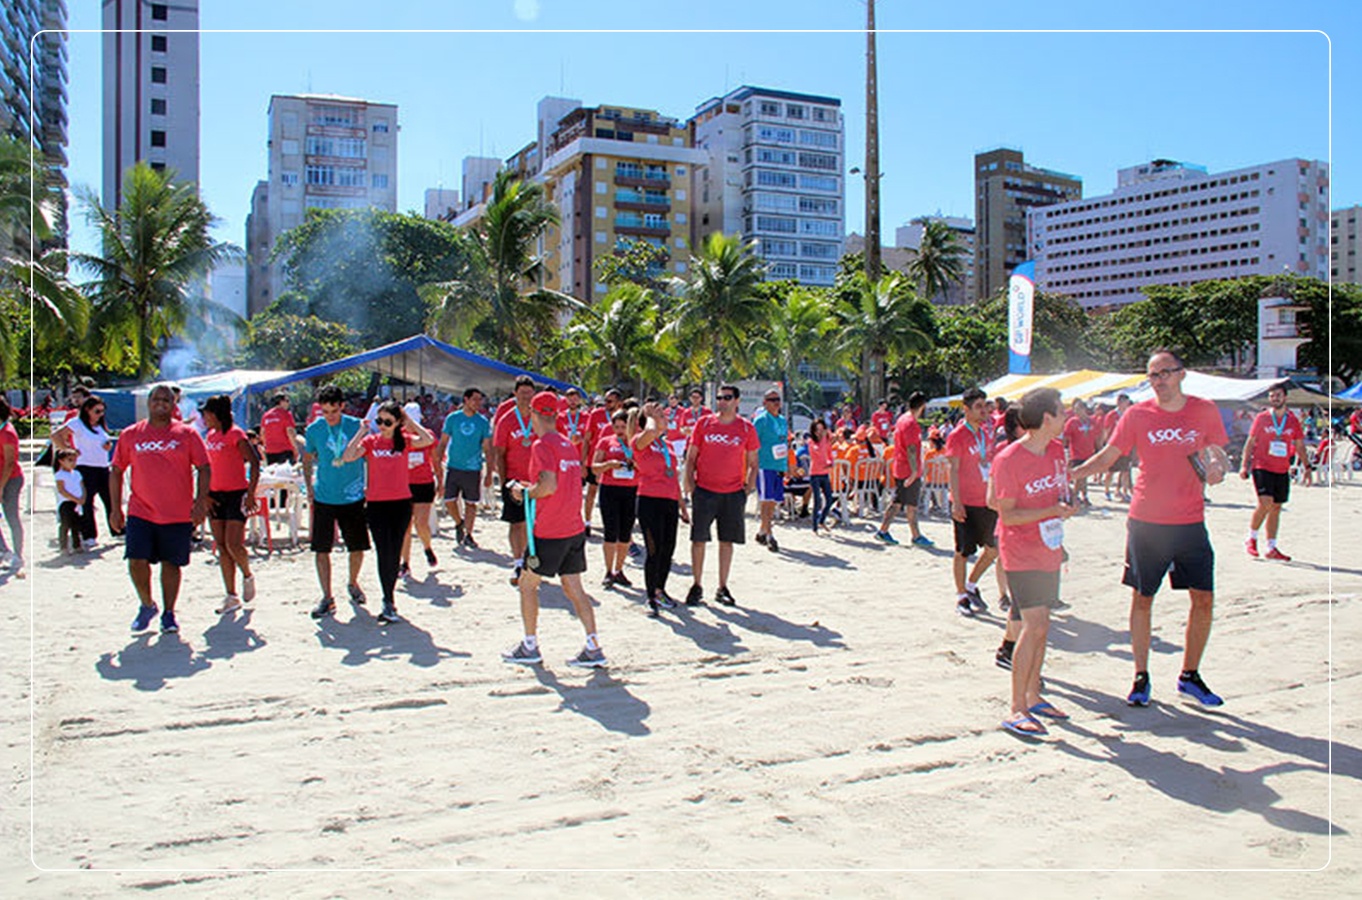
column 839, row 473
column 936, row 486
column 869, row 484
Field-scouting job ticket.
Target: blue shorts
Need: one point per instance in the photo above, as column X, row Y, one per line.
column 770, row 486
column 158, row 543
column 1183, row 552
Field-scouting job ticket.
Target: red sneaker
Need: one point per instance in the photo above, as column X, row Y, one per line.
column 1251, row 545
column 1274, row 553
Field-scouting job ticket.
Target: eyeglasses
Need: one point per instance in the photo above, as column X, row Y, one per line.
column 387, row 423
column 772, row 399
column 1161, row 374
column 727, row 397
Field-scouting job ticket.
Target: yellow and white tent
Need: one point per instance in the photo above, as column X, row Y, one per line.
column 1079, row 384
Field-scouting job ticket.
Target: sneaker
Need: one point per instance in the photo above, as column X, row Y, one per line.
column 885, row 537
column 403, row 570
column 654, row 608
column 1276, row 554
column 325, row 607
column 923, row 541
column 356, row 594
column 1060, row 606
column 665, row 601
column 523, row 655
column 515, row 576
column 589, row 659
column 1003, row 659
column 695, row 595
column 1004, row 602
column 723, row 596
column 1139, row 694
column 168, row 623
column 963, row 607
column 1251, row 547
column 761, row 539
column 634, row 549
column 976, row 600
column 430, row 558
column 469, row 542
column 623, row 580
column 609, row 580
column 144, row 616
column 772, row 545
column 587, row 529
column 231, row 604
column 248, row 588
column 1190, row 683
column 389, row 614
column 88, row 544
column 458, row 532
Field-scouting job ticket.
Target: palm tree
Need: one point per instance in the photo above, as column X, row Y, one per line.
column 615, row 341
column 883, row 323
column 939, row 260
column 797, row 333
column 500, row 296
column 718, row 305
column 156, row 253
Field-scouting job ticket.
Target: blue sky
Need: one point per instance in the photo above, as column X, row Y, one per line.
column 1081, row 103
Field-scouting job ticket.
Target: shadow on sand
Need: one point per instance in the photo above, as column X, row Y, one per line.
column 364, row 640
column 150, row 661
column 602, row 698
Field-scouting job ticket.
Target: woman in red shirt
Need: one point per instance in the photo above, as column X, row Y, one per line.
column 387, row 490
column 232, row 496
column 820, row 465
column 659, row 503
column 423, row 483
column 1029, row 487
column 614, row 465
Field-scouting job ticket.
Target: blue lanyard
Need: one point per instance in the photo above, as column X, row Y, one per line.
column 666, row 453
column 524, row 429
column 573, row 419
column 1278, row 426
column 529, row 521
column 982, row 440
column 628, row 451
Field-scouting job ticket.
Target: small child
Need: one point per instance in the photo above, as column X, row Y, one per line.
column 70, row 499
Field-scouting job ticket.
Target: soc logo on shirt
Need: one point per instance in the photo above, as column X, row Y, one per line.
column 385, row 454
column 1040, row 485
column 728, row 440
column 567, row 465
column 1172, row 436
column 155, row 446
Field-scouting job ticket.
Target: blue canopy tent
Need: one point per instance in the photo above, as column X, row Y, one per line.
column 1352, row 393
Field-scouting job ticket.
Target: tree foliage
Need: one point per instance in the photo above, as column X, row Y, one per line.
column 938, row 264
column 281, row 340
column 718, row 306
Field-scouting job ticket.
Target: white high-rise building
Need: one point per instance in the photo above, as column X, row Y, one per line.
column 774, row 172
column 1169, row 222
column 326, row 152
column 151, row 90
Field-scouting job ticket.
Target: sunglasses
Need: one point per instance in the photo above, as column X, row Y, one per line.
column 387, row 423
column 1161, row 374
column 727, row 397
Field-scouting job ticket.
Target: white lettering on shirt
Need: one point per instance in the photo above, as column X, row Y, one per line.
column 1172, row 436
column 155, row 446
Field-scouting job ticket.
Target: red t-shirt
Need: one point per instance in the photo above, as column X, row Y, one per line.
column 387, row 468
column 559, row 515
column 883, row 420
column 10, row 437
column 314, row 412
column 971, row 448
column 1167, row 491
column 572, row 425
column 1355, row 421
column 1082, row 437
column 597, row 423
column 502, row 409
column 162, row 461
column 274, row 426
column 1109, row 423
column 907, row 444
column 687, row 416
column 1035, row 482
column 420, row 466
column 1269, row 436
column 820, row 456
column 613, row 448
column 224, row 456
column 516, row 441
column 651, row 463
column 721, row 453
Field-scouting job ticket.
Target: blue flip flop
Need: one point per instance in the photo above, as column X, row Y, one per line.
column 1014, row 725
column 1046, row 709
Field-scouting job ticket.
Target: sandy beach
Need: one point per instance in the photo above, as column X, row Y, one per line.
column 842, row 717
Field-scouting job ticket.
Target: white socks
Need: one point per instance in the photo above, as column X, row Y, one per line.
column 531, row 642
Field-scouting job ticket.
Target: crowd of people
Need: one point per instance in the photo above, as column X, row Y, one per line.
column 1013, row 475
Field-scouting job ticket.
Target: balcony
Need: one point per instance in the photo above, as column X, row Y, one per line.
column 642, row 227
column 642, row 204
column 1287, row 330
column 643, row 180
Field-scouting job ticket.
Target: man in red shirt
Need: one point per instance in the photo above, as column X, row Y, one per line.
column 166, row 502
column 279, row 432
column 512, row 437
column 1276, row 432
column 1080, row 438
column 1180, row 441
column 882, row 418
column 907, row 472
column 552, row 494
column 597, row 424
column 969, row 447
column 685, row 417
column 721, row 470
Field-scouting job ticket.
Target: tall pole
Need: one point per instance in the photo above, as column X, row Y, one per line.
column 872, row 182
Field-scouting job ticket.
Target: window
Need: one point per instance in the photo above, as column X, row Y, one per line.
column 288, row 178
column 821, row 115
column 775, row 155
column 818, row 274
column 775, row 202
column 381, row 126
column 820, row 227
column 823, row 206
column 158, row 167
column 158, row 139
column 769, row 133
column 321, row 146
column 159, row 12
column 158, row 43
column 158, row 74
column 818, row 251
column 818, row 182
column 770, row 108
column 783, row 270
column 817, row 161
column 333, row 115
column 158, row 106
column 794, row 111
column 379, row 181
column 768, row 178
column 346, row 177
column 321, row 174
column 776, row 247
column 776, row 223
column 825, row 139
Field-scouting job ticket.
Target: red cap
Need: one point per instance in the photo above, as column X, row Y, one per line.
column 545, row 403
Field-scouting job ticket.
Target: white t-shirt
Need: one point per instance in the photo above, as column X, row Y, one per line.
column 89, row 443
column 71, row 481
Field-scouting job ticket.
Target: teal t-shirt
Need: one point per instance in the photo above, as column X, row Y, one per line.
column 466, row 434
column 774, row 435
column 337, row 485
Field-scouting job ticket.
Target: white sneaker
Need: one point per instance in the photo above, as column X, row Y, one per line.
column 88, row 543
column 231, row 604
column 248, row 588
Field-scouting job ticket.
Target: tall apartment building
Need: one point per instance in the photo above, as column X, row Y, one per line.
column 909, row 237
column 478, row 174
column 441, row 203
column 1343, row 245
column 151, row 90
column 1005, row 187
column 326, row 152
column 773, row 171
column 34, row 106
column 1169, row 222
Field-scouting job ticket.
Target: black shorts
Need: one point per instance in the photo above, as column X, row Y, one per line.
column 350, row 518
column 907, row 494
column 512, row 510
column 978, row 530
column 560, row 556
column 1122, row 463
column 1276, row 485
column 1153, row 550
column 158, row 543
column 1077, row 461
column 283, row 456
column 1030, row 589
column 726, row 509
column 618, row 504
column 226, row 505
column 463, row 483
column 422, row 492
column 589, row 475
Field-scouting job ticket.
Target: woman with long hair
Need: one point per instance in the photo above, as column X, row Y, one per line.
column 820, row 468
column 232, row 493
column 614, row 465
column 387, row 490
column 86, row 434
column 421, row 478
column 659, row 503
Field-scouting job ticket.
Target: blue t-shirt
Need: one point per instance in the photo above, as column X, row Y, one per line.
column 337, row 485
column 466, row 434
column 774, row 434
